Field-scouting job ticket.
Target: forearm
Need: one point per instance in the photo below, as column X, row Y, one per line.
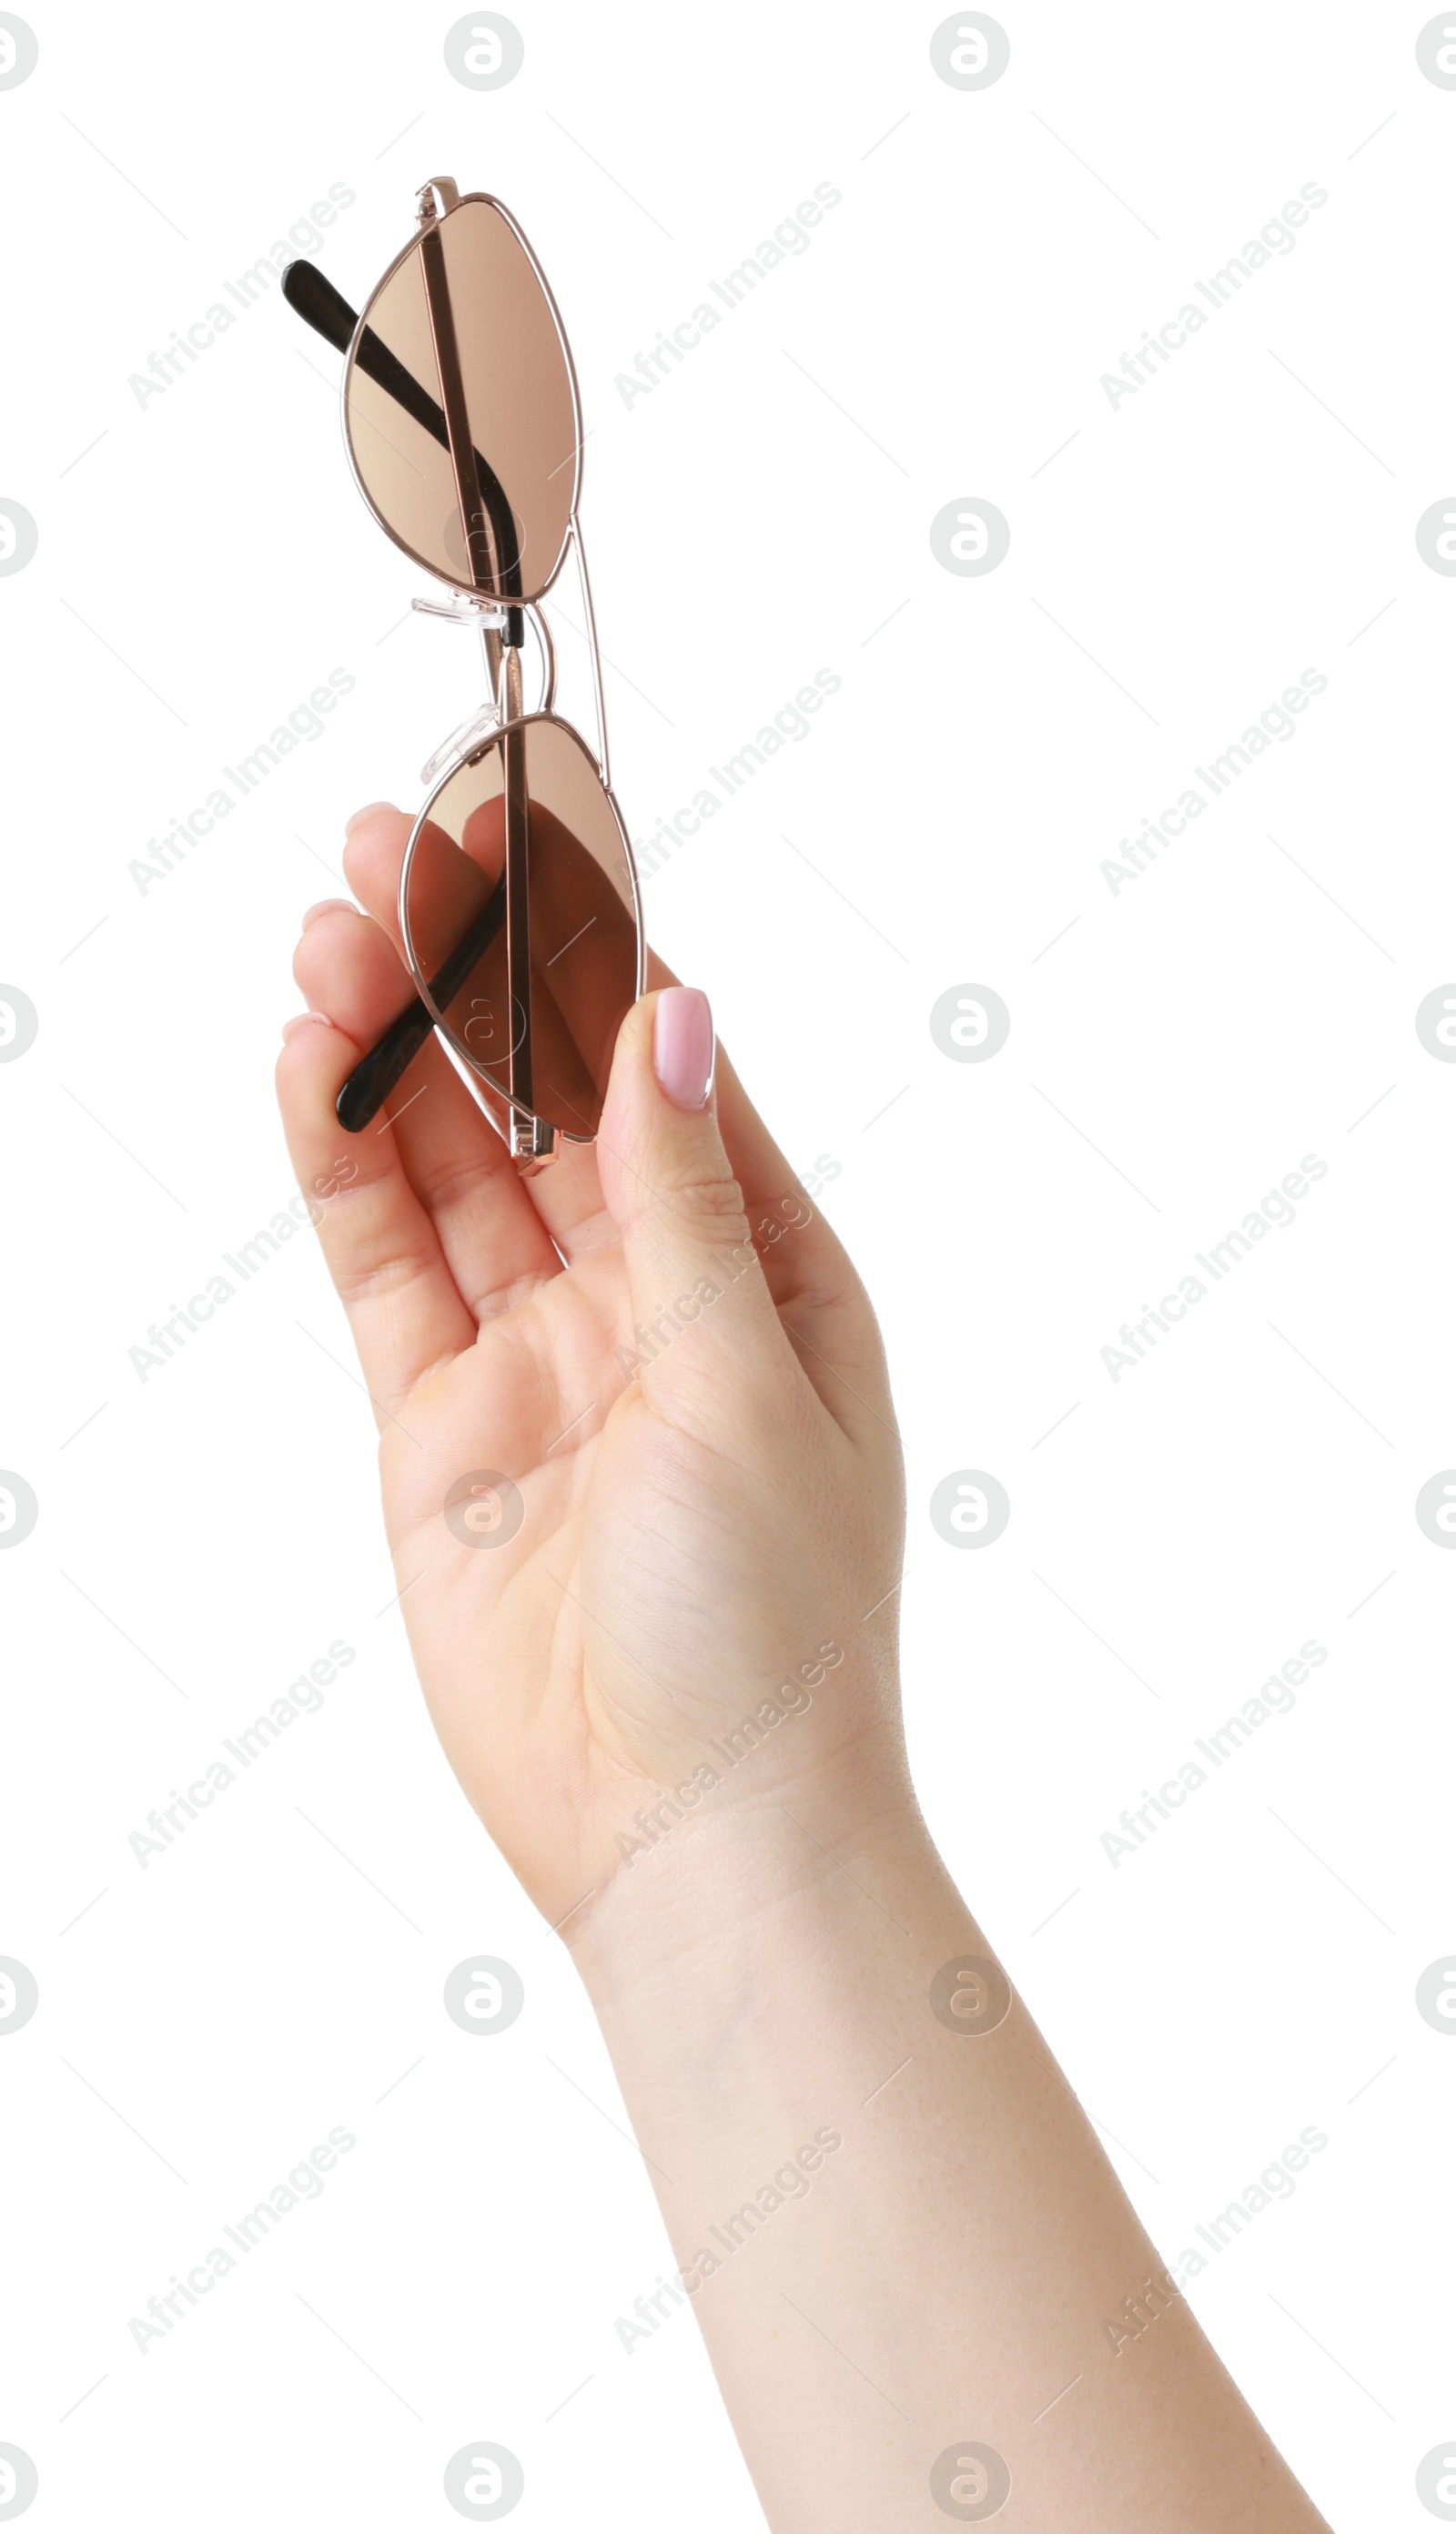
column 950, row 2275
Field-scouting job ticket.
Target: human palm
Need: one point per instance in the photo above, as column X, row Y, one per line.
column 640, row 1475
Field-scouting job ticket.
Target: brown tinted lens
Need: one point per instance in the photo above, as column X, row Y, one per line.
column 583, row 929
column 519, row 401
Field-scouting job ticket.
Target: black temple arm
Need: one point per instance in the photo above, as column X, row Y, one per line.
column 314, row 298
column 374, row 1075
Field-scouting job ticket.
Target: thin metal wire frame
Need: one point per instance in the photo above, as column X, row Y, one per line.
column 458, row 202
column 486, row 559
column 532, row 1137
column 476, row 1076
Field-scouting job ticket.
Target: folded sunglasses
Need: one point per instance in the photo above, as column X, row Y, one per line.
column 520, row 910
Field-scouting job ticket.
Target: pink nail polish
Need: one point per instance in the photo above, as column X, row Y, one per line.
column 682, row 1046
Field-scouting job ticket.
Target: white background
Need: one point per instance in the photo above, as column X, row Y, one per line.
column 1175, row 562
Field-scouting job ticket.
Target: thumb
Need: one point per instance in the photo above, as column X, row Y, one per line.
column 699, row 1304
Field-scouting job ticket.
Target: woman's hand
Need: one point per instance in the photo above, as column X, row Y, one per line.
column 661, row 1377
column 670, row 1650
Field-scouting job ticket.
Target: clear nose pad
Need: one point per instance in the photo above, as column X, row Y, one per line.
column 462, row 608
column 460, row 743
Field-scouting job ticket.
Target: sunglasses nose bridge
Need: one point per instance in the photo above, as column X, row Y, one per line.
column 463, row 608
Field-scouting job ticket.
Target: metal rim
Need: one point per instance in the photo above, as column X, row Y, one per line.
column 418, row 978
column 411, row 247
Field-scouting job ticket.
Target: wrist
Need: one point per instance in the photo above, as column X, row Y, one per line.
column 700, row 1917
column 755, row 1989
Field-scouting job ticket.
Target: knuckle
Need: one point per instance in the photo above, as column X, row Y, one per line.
column 381, row 1275
column 697, row 1205
column 447, row 1186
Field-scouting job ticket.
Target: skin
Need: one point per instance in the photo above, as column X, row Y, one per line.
column 710, row 1531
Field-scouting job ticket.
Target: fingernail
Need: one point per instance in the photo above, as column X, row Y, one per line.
column 682, row 1046
column 302, row 1020
column 326, row 906
column 368, row 810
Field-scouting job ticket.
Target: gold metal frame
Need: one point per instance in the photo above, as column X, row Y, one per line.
column 456, row 201
column 473, row 757
column 532, row 1139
